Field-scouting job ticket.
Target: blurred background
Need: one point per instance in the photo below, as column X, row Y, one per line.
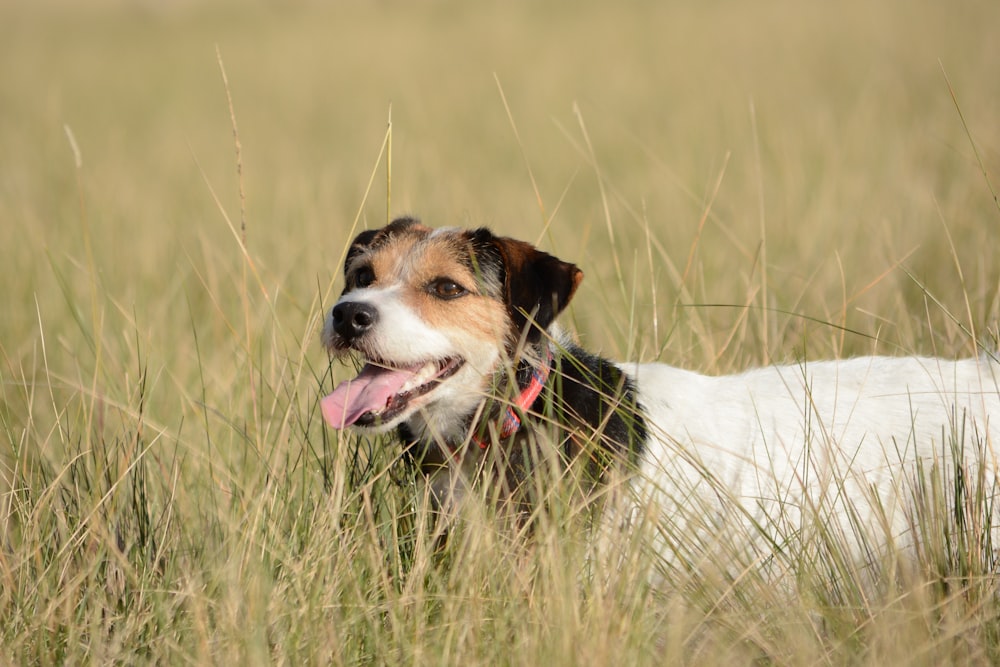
column 816, row 145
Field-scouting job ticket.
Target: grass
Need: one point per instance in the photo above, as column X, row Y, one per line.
column 741, row 184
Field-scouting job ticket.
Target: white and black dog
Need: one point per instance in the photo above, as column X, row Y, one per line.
column 463, row 360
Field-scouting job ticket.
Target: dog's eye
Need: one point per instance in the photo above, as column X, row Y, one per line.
column 364, row 277
column 444, row 288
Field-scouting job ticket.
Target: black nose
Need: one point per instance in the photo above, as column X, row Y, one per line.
column 351, row 319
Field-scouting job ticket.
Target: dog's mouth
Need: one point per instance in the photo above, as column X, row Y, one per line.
column 382, row 391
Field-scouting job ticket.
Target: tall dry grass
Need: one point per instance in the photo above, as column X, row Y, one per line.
column 741, row 184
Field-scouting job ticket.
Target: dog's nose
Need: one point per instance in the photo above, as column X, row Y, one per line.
column 352, row 319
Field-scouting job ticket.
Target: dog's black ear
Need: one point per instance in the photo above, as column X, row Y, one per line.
column 360, row 243
column 538, row 286
column 371, row 237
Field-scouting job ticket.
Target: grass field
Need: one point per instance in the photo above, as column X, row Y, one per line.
column 742, row 183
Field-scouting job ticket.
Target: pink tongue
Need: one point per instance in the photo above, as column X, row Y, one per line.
column 369, row 392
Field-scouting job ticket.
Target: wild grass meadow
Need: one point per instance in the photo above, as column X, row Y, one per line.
column 742, row 183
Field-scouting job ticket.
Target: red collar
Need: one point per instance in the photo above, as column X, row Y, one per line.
column 511, row 420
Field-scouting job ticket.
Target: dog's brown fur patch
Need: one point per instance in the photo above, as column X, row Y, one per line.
column 411, row 256
column 478, row 312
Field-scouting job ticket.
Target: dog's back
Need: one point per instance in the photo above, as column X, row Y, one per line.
column 844, row 446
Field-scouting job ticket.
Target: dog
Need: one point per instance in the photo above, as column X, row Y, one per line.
column 464, row 362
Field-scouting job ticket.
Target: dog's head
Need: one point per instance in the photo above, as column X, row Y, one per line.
column 435, row 314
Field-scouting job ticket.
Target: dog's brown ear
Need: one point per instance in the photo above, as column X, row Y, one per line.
column 538, row 286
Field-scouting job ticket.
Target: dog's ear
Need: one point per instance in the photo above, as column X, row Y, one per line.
column 537, row 285
column 371, row 237
column 360, row 243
